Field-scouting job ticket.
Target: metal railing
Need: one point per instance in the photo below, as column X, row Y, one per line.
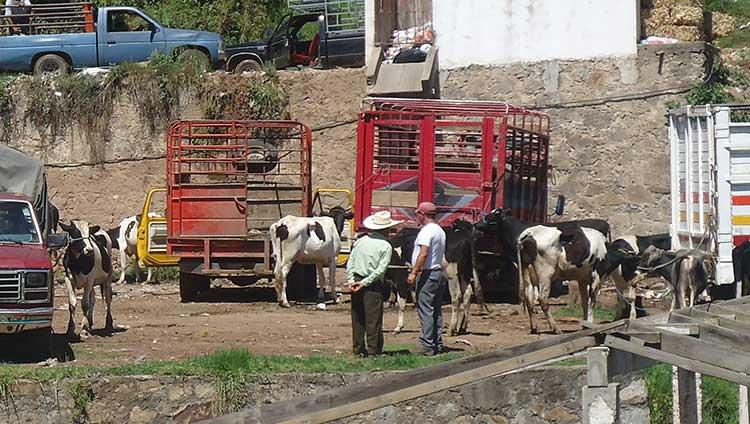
column 47, row 19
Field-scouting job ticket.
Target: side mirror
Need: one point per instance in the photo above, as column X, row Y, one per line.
column 57, row 241
column 560, row 205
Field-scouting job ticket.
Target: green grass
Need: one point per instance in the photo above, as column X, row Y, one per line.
column 234, row 362
column 719, row 397
column 740, row 10
column 600, row 314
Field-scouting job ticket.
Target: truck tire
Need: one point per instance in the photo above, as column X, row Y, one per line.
column 191, row 285
column 51, row 64
column 194, row 56
column 248, row 65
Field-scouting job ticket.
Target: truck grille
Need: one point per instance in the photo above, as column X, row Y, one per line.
column 10, row 286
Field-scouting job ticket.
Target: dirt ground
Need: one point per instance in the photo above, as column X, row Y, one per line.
column 154, row 325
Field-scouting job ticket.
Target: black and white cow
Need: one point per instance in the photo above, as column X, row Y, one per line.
column 546, row 253
column 313, row 241
column 125, row 239
column 741, row 266
column 689, row 271
column 88, row 264
column 463, row 280
column 623, row 257
column 543, row 253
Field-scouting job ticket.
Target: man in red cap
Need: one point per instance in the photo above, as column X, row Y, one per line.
column 427, row 272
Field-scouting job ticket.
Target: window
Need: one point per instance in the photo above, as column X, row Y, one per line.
column 17, row 224
column 126, row 21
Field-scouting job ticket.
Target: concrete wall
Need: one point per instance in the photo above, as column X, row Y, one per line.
column 543, row 396
column 609, row 143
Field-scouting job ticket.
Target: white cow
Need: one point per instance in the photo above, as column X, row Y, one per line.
column 546, row 253
column 313, row 241
column 125, row 240
column 87, row 264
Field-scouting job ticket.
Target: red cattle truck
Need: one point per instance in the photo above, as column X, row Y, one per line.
column 227, row 182
column 26, row 274
column 467, row 157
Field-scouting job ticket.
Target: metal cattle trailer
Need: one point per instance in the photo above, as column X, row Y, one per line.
column 227, row 182
column 710, row 181
column 467, row 157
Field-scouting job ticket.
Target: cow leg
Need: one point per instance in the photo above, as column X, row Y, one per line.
column 529, row 298
column 479, row 290
column 321, row 286
column 583, row 291
column 149, row 277
column 72, row 301
column 107, row 295
column 632, row 300
column 282, row 270
column 454, row 288
column 123, row 266
column 86, row 306
column 593, row 287
column 401, row 309
column 463, row 326
column 92, row 302
column 137, row 269
column 544, row 286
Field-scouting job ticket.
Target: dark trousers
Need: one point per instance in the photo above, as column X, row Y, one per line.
column 431, row 288
column 367, row 320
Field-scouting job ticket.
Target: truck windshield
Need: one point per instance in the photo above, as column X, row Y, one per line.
column 17, row 223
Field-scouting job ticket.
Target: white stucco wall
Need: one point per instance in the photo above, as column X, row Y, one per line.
column 494, row 32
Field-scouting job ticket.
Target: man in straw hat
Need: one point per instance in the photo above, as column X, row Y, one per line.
column 365, row 270
column 427, row 272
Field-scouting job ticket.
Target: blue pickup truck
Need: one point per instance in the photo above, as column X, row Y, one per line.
column 101, row 38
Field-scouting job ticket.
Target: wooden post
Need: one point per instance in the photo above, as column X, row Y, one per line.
column 744, row 410
column 685, row 397
column 601, row 400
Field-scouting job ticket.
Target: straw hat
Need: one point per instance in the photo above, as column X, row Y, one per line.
column 380, row 221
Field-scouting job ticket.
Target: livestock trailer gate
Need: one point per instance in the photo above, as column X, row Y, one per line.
column 710, row 181
column 227, row 182
column 467, row 157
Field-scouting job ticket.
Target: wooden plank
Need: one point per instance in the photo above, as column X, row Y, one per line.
column 745, row 300
column 718, row 321
column 734, row 312
column 682, row 362
column 686, row 329
column 650, row 337
column 378, row 393
column 426, row 388
column 700, row 350
column 744, row 410
column 715, row 334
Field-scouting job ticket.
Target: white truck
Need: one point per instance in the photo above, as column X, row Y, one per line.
column 710, row 181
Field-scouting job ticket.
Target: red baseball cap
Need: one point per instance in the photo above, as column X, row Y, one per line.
column 427, row 208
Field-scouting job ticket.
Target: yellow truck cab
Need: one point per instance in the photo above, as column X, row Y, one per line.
column 326, row 198
column 152, row 231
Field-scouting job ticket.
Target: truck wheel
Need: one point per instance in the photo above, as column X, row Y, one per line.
column 191, row 285
column 50, row 64
column 248, row 65
column 194, row 57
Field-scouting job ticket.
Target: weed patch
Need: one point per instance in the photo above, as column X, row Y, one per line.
column 82, row 394
column 600, row 314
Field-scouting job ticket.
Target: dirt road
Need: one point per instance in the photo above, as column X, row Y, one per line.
column 155, row 325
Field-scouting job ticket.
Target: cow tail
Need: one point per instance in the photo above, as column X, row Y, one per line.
column 276, row 247
column 521, row 293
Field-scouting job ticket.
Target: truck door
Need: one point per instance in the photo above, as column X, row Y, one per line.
column 278, row 49
column 129, row 37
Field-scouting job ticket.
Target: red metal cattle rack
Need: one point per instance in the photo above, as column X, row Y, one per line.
column 468, row 157
column 227, row 182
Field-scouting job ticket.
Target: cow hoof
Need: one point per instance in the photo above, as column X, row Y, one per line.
column 321, row 306
column 396, row 332
column 534, row 330
column 284, row 304
column 84, row 335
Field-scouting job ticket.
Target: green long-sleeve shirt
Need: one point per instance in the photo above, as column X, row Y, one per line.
column 369, row 258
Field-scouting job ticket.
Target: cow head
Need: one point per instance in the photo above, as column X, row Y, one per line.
column 493, row 222
column 652, row 257
column 618, row 256
column 80, row 241
column 462, row 225
column 339, row 215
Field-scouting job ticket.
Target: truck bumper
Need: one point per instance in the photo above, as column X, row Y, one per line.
column 18, row 320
